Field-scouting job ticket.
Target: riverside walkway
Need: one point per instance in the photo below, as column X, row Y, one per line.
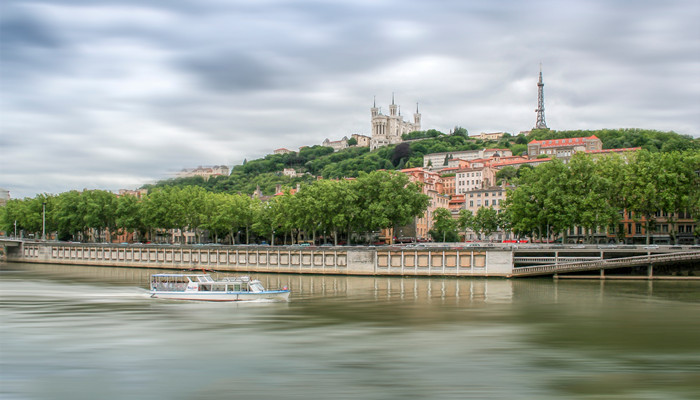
column 435, row 259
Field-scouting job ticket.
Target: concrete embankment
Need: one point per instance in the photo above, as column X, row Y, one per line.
column 420, row 261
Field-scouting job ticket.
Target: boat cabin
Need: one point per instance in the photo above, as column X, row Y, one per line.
column 203, row 283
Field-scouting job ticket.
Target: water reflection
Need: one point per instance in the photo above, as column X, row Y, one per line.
column 71, row 332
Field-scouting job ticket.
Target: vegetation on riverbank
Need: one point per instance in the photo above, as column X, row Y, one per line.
column 360, row 206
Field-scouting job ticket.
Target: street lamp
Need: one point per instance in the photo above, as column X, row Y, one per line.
column 43, row 221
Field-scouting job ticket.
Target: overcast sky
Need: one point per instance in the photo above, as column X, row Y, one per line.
column 104, row 94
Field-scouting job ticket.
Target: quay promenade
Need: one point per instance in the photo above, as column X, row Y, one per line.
column 455, row 259
column 341, row 260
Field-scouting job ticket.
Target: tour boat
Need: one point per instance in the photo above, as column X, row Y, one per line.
column 204, row 287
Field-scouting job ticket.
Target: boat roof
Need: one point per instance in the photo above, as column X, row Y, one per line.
column 169, row 275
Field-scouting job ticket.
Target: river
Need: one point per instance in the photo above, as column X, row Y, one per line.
column 75, row 332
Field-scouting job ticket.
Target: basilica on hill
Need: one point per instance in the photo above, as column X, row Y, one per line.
column 387, row 129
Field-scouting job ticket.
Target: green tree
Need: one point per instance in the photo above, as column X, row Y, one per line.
column 485, row 222
column 465, row 221
column 444, row 226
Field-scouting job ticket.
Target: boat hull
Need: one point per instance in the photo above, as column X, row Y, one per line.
column 277, row 295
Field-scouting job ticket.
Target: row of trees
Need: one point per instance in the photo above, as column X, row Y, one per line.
column 593, row 193
column 486, row 221
column 369, row 203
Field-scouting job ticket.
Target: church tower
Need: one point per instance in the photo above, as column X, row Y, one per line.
column 416, row 118
column 374, row 109
column 392, row 107
column 540, row 104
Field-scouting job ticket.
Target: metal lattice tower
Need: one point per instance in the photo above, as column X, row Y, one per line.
column 540, row 104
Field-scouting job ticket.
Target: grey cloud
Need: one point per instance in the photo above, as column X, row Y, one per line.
column 20, row 30
column 229, row 72
column 186, row 82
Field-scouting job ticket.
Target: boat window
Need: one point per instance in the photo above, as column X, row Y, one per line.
column 218, row 287
column 256, row 287
column 204, row 288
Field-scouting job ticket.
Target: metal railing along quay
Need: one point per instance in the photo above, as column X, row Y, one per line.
column 649, row 259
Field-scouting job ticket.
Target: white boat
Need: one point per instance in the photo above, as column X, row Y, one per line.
column 203, row 287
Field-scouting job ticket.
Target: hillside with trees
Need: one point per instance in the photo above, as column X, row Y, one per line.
column 319, row 161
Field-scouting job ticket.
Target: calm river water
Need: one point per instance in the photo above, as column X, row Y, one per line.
column 71, row 332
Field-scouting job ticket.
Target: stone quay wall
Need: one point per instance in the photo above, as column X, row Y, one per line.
column 390, row 261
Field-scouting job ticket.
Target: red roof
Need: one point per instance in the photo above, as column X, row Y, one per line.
column 563, row 142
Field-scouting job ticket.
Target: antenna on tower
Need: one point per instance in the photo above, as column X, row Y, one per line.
column 540, row 124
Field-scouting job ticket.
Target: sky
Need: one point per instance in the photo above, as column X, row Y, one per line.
column 106, row 94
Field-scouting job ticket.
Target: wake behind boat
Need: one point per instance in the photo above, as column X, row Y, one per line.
column 204, row 287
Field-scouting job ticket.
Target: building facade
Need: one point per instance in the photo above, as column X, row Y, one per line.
column 488, row 136
column 489, row 197
column 387, row 129
column 440, row 161
column 563, row 149
column 4, row 196
column 337, row 145
column 432, row 186
column 362, row 140
column 282, row 151
column 204, row 172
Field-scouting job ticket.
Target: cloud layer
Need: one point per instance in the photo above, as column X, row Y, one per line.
column 114, row 94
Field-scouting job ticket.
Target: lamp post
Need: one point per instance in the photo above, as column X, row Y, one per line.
column 43, row 221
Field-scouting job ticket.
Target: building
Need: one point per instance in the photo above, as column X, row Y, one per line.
column 4, row 196
column 489, row 197
column 337, row 145
column 563, row 149
column 516, row 162
column 283, row 151
column 632, row 230
column 456, row 204
column 387, row 129
column 362, row 140
column 440, row 161
column 469, row 179
column 432, row 186
column 138, row 193
column 290, row 172
column 448, row 176
column 495, row 136
column 204, row 172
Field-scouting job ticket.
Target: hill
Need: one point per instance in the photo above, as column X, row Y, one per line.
column 314, row 161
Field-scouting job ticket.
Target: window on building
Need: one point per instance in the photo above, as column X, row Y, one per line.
column 638, row 228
